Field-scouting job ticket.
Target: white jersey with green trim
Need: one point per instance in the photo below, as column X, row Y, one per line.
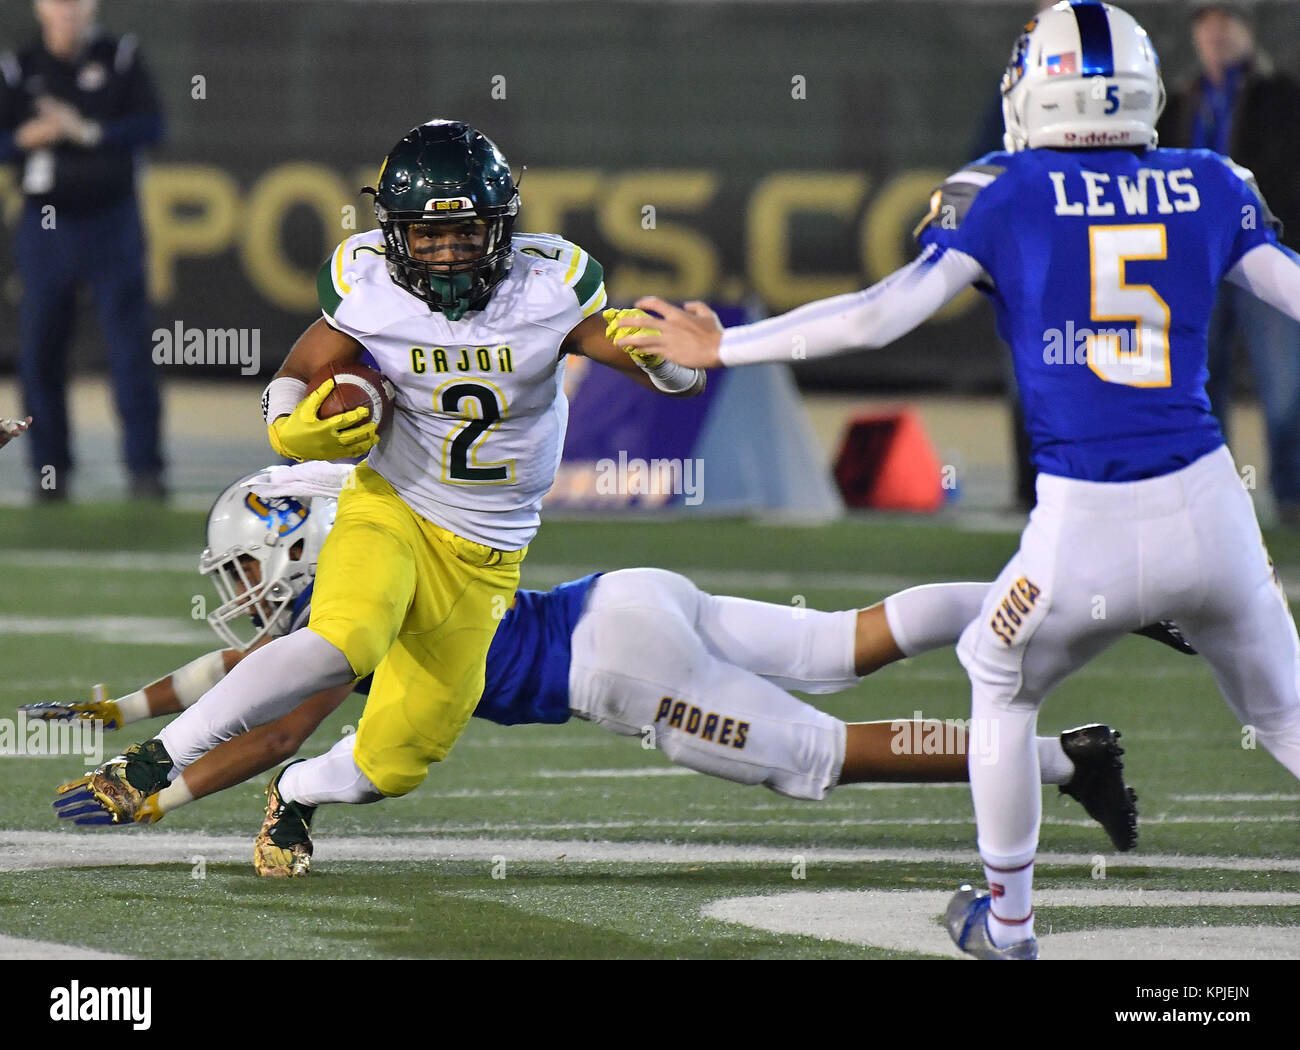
column 481, row 412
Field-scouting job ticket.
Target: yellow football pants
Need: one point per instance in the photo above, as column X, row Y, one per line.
column 418, row 605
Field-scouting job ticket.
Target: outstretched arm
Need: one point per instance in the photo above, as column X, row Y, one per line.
column 591, row 339
column 861, row 320
column 1272, row 273
column 169, row 695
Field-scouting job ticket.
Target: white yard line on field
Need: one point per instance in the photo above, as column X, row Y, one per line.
column 908, row 921
column 905, row 922
column 112, row 630
column 536, row 573
column 1235, row 798
column 35, row 850
column 22, row 948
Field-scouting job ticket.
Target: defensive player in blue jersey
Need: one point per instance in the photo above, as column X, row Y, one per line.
column 638, row 651
column 1101, row 254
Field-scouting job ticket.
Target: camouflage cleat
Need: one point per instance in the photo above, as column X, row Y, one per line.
column 1098, row 782
column 283, row 846
column 117, row 791
column 967, row 922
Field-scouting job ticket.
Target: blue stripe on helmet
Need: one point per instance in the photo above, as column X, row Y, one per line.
column 1098, row 58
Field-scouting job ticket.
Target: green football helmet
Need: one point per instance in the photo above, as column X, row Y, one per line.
column 446, row 172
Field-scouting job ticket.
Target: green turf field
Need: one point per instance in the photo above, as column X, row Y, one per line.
column 565, row 841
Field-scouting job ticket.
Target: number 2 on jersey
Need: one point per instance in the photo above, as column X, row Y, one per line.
column 1146, row 362
column 483, row 406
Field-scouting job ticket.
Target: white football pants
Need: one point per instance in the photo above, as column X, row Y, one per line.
column 703, row 678
column 1095, row 562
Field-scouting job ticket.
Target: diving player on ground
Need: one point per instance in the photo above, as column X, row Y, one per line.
column 638, row 651
column 1101, row 254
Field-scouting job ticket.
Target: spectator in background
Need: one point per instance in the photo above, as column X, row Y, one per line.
column 1239, row 106
column 75, row 106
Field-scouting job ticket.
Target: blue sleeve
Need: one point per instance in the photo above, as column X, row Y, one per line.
column 962, row 215
column 1256, row 224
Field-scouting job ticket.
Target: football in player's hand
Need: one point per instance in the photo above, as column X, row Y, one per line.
column 356, row 386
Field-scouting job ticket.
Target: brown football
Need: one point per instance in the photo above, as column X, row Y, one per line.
column 356, row 386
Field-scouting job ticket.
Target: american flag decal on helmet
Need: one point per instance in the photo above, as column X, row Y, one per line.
column 1061, row 64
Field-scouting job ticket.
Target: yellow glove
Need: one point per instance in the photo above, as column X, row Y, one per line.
column 622, row 323
column 149, row 813
column 99, row 708
column 304, row 435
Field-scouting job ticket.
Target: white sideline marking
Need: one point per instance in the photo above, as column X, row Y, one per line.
column 858, row 822
column 614, row 774
column 1236, row 798
column 34, row 850
column 117, row 561
column 538, row 573
column 910, row 921
column 113, row 630
column 21, row 948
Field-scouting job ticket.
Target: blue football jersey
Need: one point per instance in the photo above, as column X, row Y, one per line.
column 1103, row 268
column 527, row 677
column 526, row 681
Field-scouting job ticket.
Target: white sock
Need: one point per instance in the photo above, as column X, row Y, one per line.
column 267, row 683
column 1007, row 794
column 174, row 795
column 1054, row 765
column 932, row 616
column 331, row 777
column 1011, row 918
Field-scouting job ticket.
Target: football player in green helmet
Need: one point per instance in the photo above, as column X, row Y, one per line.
column 446, row 203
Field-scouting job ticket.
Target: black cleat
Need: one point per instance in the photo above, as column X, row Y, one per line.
column 1167, row 633
column 1098, row 782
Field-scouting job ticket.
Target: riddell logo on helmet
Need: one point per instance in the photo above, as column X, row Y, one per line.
column 1100, row 138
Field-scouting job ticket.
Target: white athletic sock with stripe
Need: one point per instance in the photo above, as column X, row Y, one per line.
column 1011, row 918
column 1007, row 793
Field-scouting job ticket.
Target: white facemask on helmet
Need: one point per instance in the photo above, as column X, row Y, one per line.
column 284, row 537
column 1082, row 75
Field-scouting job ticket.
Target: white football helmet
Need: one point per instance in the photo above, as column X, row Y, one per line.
column 1082, row 74
column 283, row 536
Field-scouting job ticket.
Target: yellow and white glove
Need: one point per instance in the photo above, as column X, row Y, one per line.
column 623, row 324
column 668, row 377
column 96, row 709
column 303, row 435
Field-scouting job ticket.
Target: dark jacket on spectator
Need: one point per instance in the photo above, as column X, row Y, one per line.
column 1265, row 136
